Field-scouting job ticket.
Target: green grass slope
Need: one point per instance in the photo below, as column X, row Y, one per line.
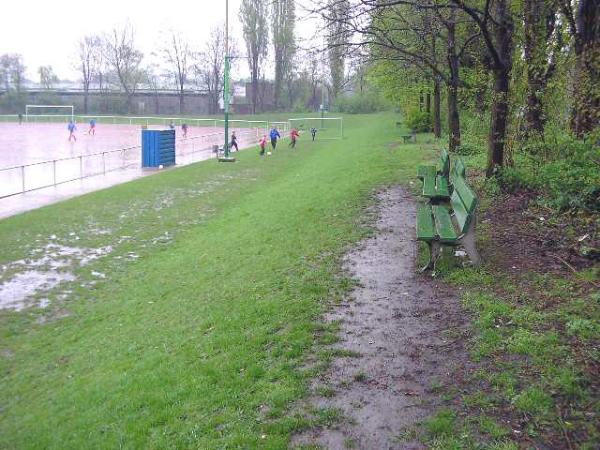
column 215, row 279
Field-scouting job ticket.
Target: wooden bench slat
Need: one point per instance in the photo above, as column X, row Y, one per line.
column 426, row 171
column 429, row 187
column 443, row 224
column 425, row 225
column 441, row 185
column 460, row 213
column 466, row 194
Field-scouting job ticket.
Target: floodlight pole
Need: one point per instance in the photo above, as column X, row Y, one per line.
column 226, row 156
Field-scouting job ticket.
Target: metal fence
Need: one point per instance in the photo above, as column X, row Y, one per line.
column 30, row 177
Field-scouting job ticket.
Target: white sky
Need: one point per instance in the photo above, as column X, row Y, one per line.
column 46, row 32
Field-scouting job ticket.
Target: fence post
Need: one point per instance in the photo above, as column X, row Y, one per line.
column 103, row 164
column 54, row 171
column 23, row 178
column 80, row 166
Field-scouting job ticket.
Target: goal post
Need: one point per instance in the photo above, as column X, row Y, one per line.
column 326, row 127
column 33, row 112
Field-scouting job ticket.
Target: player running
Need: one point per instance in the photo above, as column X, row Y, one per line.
column 234, row 142
column 293, row 136
column 262, row 143
column 313, row 131
column 92, row 129
column 71, row 127
column 274, row 135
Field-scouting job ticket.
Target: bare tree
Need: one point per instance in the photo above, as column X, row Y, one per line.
column 123, row 57
column 253, row 15
column 177, row 54
column 209, row 68
column 47, row 77
column 90, row 60
column 12, row 71
column 284, row 46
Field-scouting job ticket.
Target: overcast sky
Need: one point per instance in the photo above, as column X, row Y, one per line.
column 46, row 32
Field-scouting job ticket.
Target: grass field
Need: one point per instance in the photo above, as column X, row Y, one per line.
column 190, row 328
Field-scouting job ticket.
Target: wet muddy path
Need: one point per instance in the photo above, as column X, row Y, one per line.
column 407, row 330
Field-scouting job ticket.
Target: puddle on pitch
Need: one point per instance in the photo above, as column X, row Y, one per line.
column 15, row 293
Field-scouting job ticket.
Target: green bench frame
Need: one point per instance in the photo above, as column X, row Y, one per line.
column 452, row 223
column 436, row 186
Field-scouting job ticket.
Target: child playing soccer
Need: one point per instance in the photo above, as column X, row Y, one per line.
column 92, row 129
column 184, row 128
column 274, row 135
column 71, row 127
column 234, row 142
column 293, row 136
column 313, row 131
column 262, row 143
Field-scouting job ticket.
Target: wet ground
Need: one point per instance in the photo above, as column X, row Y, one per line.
column 42, row 144
column 406, row 330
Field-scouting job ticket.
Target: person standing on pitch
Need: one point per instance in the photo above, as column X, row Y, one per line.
column 71, row 127
column 234, row 141
column 313, row 131
column 274, row 135
column 184, row 128
column 293, row 137
column 20, row 118
column 92, row 129
column 172, row 125
column 262, row 143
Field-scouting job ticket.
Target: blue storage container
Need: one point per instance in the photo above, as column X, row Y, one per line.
column 158, row 148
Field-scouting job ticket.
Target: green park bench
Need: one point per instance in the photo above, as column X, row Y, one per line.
column 436, row 185
column 452, row 223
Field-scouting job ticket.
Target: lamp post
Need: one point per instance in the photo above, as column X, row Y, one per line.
column 226, row 156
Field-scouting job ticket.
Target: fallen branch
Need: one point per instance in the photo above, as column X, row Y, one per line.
column 575, row 271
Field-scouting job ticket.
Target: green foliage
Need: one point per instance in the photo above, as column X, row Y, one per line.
column 566, row 170
column 420, row 121
column 360, row 103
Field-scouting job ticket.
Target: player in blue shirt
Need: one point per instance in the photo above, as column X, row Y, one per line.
column 274, row 135
column 92, row 129
column 71, row 127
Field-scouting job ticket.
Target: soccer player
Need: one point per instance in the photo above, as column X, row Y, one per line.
column 92, row 129
column 293, row 136
column 20, row 118
column 71, row 127
column 234, row 142
column 274, row 135
column 313, row 131
column 184, row 128
column 262, row 143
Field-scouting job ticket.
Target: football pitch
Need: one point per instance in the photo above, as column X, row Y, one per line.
column 181, row 310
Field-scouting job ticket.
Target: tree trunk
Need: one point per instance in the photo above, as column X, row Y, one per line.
column 453, row 114
column 428, row 102
column 536, row 57
column 586, row 113
column 499, row 121
column 181, row 102
column 503, row 37
column 437, row 114
column 421, row 101
column 86, row 95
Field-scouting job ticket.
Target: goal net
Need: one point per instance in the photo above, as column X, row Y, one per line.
column 49, row 113
column 326, row 127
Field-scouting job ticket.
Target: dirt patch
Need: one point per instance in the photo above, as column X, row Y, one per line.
column 408, row 332
column 528, row 237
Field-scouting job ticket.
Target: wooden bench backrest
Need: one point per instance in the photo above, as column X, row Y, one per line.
column 445, row 162
column 458, row 168
column 464, row 203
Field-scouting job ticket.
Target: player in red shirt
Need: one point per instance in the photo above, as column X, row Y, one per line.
column 293, row 136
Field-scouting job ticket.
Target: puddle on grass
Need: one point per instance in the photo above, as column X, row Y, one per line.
column 15, row 292
column 48, row 267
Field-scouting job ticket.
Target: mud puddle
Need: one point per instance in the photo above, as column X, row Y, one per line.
column 405, row 329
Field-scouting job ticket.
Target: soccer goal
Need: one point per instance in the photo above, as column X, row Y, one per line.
column 49, row 113
column 327, row 127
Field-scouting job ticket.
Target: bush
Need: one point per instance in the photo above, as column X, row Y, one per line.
column 468, row 149
column 360, row 104
column 566, row 171
column 420, row 121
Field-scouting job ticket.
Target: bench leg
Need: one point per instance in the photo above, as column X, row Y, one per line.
column 434, row 250
column 468, row 242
